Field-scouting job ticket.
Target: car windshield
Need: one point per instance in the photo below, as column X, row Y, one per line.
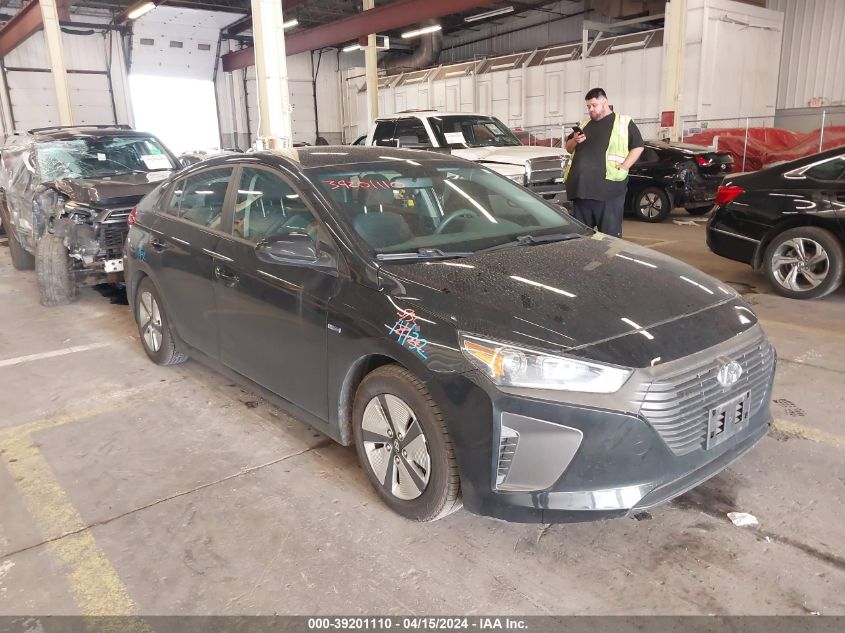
column 92, row 157
column 472, row 131
column 414, row 207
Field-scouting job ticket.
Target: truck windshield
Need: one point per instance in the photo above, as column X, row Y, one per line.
column 472, row 131
column 92, row 157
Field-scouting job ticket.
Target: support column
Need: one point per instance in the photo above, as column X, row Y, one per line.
column 673, row 65
column 371, row 59
column 53, row 37
column 271, row 71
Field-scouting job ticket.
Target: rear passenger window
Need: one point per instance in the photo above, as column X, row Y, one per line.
column 412, row 131
column 266, row 206
column 200, row 198
column 383, row 134
column 832, row 169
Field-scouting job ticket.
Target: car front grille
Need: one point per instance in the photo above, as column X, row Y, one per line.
column 545, row 170
column 678, row 405
column 112, row 237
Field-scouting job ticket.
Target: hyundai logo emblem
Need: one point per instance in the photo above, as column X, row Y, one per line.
column 729, row 374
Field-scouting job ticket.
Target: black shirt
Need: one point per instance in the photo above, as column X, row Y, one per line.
column 587, row 176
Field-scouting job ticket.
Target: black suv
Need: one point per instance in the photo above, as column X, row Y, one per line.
column 65, row 196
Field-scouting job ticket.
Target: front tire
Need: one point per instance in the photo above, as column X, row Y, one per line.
column 652, row 205
column 154, row 327
column 54, row 271
column 807, row 262
column 403, row 445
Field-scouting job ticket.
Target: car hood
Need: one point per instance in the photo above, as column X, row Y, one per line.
column 110, row 190
column 564, row 295
column 516, row 155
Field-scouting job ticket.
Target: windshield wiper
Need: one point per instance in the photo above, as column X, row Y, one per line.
column 530, row 240
column 424, row 253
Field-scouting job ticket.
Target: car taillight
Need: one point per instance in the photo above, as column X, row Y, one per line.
column 132, row 214
column 703, row 162
column 726, row 194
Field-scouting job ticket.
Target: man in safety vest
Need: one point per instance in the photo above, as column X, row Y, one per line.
column 603, row 149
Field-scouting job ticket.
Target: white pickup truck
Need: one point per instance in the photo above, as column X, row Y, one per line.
column 476, row 137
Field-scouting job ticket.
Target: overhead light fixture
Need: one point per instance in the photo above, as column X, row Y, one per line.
column 426, row 29
column 352, row 47
column 290, row 24
column 139, row 9
column 489, row 14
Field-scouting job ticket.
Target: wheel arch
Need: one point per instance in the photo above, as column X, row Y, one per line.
column 352, row 380
column 791, row 222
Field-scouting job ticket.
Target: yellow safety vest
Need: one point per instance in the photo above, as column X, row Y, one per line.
column 617, row 149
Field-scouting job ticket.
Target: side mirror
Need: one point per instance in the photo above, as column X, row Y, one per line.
column 294, row 248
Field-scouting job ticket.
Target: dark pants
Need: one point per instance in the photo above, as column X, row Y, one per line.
column 605, row 215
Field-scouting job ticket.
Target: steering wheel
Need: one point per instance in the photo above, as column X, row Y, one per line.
column 454, row 215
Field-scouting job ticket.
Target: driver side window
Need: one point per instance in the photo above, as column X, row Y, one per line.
column 267, row 206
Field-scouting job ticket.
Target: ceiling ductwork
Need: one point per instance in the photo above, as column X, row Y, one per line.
column 425, row 55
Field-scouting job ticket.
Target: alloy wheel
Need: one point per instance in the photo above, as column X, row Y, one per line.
column 149, row 316
column 800, row 264
column 651, row 205
column 396, row 447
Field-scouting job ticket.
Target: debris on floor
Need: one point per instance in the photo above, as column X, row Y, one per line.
column 743, row 519
column 685, row 222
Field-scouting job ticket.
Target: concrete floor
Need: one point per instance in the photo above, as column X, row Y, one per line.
column 131, row 488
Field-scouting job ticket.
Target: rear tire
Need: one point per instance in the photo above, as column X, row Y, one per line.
column 54, row 271
column 21, row 258
column 154, row 327
column 807, row 262
column 403, row 445
column 652, row 205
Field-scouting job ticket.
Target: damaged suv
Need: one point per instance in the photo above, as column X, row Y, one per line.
column 65, row 196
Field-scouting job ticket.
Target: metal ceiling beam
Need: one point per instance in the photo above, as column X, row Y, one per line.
column 245, row 23
column 378, row 20
column 26, row 22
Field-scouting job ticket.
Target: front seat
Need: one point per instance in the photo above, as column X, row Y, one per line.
column 382, row 230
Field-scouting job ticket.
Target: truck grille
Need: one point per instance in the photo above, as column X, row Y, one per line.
column 678, row 405
column 545, row 170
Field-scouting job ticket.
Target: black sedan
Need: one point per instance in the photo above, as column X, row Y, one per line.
column 788, row 221
column 474, row 343
column 675, row 175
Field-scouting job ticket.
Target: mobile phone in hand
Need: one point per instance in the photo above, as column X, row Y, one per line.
column 577, row 130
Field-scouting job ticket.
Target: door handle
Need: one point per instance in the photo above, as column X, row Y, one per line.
column 226, row 276
column 158, row 245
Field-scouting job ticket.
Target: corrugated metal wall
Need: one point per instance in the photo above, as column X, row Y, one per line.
column 812, row 64
column 536, row 30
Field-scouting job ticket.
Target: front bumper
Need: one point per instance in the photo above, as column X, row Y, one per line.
column 554, row 461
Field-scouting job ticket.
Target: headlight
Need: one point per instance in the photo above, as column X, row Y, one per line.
column 527, row 173
column 512, row 366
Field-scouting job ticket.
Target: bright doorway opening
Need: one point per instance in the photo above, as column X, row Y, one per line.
column 180, row 112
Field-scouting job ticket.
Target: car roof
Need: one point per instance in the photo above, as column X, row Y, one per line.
column 331, row 155
column 425, row 114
